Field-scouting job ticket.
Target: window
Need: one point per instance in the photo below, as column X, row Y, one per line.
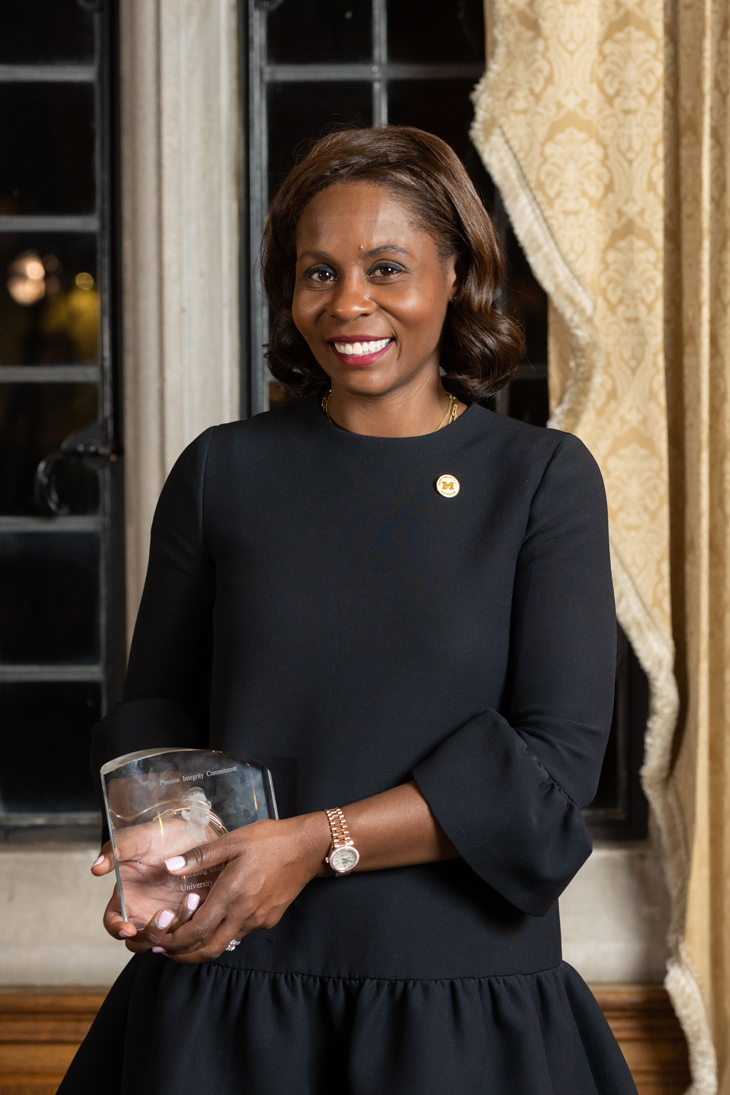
column 61, row 647
column 408, row 62
column 329, row 62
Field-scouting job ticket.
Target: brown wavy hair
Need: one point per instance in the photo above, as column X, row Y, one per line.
column 480, row 346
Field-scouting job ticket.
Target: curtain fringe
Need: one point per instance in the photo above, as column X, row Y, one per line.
column 681, row 982
column 653, row 649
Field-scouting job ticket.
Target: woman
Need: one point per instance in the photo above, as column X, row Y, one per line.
column 401, row 602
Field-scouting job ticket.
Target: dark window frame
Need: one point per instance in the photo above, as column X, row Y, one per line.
column 261, row 75
column 108, row 522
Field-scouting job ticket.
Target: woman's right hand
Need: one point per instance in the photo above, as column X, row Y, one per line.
column 137, row 940
column 113, row 921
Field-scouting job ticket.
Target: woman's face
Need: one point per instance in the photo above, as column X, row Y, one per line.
column 371, row 291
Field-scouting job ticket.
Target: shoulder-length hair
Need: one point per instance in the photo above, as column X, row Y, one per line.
column 480, row 347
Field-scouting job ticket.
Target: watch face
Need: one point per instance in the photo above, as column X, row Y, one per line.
column 344, row 859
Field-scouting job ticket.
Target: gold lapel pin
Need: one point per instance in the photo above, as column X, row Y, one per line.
column 447, row 486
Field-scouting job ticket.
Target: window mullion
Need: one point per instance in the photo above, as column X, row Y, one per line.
column 380, row 57
column 258, row 204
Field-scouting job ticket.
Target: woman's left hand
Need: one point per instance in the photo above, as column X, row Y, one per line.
column 266, row 865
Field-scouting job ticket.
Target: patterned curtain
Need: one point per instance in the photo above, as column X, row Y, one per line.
column 605, row 125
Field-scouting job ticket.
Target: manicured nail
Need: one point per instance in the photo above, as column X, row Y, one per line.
column 158, row 950
column 125, row 935
column 98, row 861
column 165, row 919
column 175, row 863
column 192, row 901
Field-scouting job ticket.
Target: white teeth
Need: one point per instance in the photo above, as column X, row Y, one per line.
column 360, row 348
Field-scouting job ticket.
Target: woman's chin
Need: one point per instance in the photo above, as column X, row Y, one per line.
column 362, row 380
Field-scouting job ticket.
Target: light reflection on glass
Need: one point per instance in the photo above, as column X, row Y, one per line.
column 75, row 316
column 67, row 312
column 26, row 283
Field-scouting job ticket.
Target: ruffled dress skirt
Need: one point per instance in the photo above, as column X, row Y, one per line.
column 169, row 1029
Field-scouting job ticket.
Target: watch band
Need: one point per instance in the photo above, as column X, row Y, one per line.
column 338, row 828
column 343, row 863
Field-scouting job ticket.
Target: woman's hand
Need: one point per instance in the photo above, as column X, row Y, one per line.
column 113, row 921
column 265, row 866
column 149, row 937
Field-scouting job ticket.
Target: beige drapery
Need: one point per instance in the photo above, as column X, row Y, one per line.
column 605, row 125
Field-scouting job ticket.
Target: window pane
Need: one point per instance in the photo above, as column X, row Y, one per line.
column 620, row 809
column 299, row 112
column 45, row 765
column 442, row 107
column 47, row 141
column 319, row 31
column 610, row 794
column 44, row 31
column 34, row 420
column 436, row 32
column 528, row 400
column 49, row 301
column 525, row 299
column 49, row 598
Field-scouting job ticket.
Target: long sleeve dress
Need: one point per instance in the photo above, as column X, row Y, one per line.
column 314, row 603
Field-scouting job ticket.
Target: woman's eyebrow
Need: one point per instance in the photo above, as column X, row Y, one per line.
column 325, row 256
column 390, row 247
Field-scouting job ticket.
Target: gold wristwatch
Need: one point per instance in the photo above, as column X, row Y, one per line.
column 344, row 856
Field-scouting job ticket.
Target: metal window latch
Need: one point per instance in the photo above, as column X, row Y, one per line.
column 89, row 447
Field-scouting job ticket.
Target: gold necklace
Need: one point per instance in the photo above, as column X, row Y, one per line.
column 450, row 415
column 451, row 411
column 325, row 405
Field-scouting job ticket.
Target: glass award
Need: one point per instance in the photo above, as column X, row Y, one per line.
column 162, row 803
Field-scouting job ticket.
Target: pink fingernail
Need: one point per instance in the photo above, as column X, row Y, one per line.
column 98, row 861
column 165, row 919
column 192, row 901
column 175, row 863
column 158, row 950
column 125, row 935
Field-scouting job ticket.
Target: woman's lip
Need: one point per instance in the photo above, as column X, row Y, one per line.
column 356, row 361
column 358, row 338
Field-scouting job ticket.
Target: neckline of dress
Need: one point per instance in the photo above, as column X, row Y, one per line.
column 457, row 430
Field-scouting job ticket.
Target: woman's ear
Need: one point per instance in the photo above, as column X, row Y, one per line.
column 452, row 276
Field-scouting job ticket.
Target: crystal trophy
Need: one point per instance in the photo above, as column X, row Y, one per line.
column 162, row 803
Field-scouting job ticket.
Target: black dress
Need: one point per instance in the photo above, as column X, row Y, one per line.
column 314, row 603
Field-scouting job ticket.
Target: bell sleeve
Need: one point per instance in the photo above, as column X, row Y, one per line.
column 166, row 693
column 508, row 787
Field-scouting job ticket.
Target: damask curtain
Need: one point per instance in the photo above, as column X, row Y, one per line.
column 605, row 125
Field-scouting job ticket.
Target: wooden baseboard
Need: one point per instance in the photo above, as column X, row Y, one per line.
column 41, row 1028
column 651, row 1039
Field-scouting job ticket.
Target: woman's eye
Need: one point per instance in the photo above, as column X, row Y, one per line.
column 321, row 274
column 386, row 270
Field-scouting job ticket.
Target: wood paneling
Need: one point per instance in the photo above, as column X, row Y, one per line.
column 41, row 1028
column 646, row 1028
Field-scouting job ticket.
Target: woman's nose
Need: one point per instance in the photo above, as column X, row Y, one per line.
column 350, row 299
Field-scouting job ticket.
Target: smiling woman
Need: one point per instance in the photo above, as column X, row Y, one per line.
column 372, row 313
column 410, row 256
column 401, row 603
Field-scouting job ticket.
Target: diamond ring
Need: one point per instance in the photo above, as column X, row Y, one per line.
column 233, row 944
